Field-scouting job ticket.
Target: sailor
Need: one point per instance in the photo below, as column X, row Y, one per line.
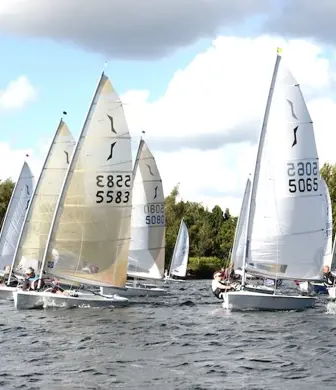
column 218, row 288
column 31, row 281
column 328, row 278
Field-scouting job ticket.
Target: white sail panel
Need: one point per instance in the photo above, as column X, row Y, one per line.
column 328, row 222
column 147, row 248
column 91, row 229
column 179, row 262
column 239, row 244
column 286, row 235
column 15, row 215
column 40, row 213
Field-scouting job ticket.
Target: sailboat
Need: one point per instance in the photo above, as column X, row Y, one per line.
column 285, row 226
column 179, row 262
column 147, row 248
column 28, row 251
column 90, row 229
column 14, row 218
column 320, row 287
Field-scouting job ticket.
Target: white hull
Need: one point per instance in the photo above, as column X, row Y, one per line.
column 244, row 300
column 332, row 292
column 7, row 292
column 168, row 279
column 131, row 291
column 40, row 300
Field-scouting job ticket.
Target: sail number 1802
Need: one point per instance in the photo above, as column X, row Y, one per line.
column 302, row 176
column 154, row 214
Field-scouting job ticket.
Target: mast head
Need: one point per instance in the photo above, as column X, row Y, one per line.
column 279, row 51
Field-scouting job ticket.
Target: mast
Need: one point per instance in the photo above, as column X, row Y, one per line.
column 65, row 180
column 257, row 165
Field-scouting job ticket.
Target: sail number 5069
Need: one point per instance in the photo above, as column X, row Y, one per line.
column 302, row 184
column 113, row 181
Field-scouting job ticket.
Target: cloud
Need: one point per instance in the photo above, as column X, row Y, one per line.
column 203, row 131
column 305, row 18
column 126, row 28
column 17, row 94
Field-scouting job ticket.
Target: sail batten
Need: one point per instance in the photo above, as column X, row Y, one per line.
column 147, row 248
column 15, row 215
column 91, row 225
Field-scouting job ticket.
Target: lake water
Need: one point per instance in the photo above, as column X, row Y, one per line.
column 184, row 341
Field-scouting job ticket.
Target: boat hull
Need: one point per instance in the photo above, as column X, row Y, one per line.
column 134, row 291
column 250, row 300
column 39, row 300
column 7, row 292
column 168, row 280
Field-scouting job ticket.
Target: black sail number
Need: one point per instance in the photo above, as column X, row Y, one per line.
column 302, row 176
column 114, row 189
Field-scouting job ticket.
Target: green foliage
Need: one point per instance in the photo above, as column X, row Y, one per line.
column 6, row 189
column 211, row 233
column 328, row 172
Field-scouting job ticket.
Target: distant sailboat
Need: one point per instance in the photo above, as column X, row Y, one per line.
column 15, row 215
column 90, row 229
column 179, row 262
column 147, row 249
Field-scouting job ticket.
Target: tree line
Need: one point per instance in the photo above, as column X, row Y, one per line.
column 211, row 232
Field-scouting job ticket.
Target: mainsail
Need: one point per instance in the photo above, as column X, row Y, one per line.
column 239, row 243
column 286, row 226
column 15, row 214
column 328, row 222
column 147, row 249
column 179, row 262
column 91, row 224
column 37, row 224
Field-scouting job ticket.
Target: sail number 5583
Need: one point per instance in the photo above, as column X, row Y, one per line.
column 307, row 180
column 117, row 182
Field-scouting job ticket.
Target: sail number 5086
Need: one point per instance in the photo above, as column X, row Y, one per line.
column 301, row 169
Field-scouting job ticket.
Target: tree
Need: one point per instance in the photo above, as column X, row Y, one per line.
column 6, row 189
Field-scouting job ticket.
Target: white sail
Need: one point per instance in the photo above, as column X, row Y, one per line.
column 31, row 246
column 328, row 222
column 147, row 248
column 91, row 225
column 285, row 235
column 179, row 262
column 15, row 215
column 239, row 243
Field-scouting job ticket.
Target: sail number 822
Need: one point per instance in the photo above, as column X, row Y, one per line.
column 303, row 176
column 117, row 182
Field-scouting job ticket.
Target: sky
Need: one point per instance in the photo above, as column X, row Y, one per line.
column 193, row 74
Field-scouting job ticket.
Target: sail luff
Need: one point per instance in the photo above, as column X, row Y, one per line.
column 257, row 166
column 65, row 180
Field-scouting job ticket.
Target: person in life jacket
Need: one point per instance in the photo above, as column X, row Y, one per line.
column 31, row 281
column 218, row 288
column 328, row 278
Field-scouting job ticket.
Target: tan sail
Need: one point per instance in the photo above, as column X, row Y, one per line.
column 147, row 249
column 40, row 213
column 91, row 229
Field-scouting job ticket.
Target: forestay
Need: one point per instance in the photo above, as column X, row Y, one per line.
column 40, row 213
column 147, row 248
column 91, row 226
column 286, row 229
column 179, row 262
column 239, row 243
column 15, row 215
column 328, row 222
